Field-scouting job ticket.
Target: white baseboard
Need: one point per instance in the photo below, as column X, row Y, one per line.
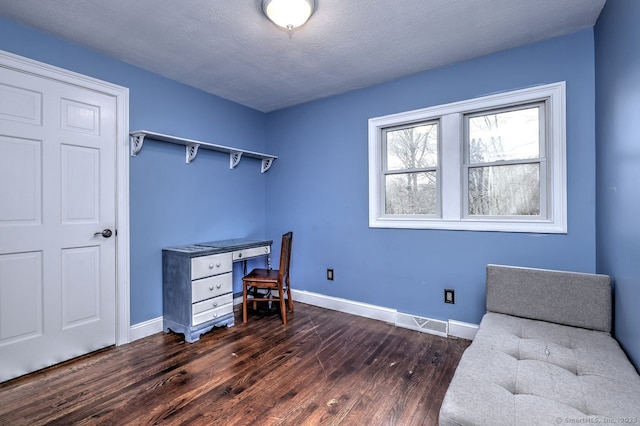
column 463, row 330
column 144, row 329
column 453, row 328
column 344, row 305
column 237, row 300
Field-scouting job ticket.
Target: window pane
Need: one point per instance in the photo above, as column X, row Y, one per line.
column 511, row 135
column 512, row 190
column 410, row 193
column 412, row 147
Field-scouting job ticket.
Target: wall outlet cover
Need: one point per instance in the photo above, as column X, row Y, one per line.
column 449, row 296
column 330, row 274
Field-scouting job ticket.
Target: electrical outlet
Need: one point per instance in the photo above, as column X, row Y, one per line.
column 449, row 296
column 330, row 274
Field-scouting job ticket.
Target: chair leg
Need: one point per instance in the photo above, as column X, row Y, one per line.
column 254, row 290
column 289, row 300
column 283, row 310
column 244, row 302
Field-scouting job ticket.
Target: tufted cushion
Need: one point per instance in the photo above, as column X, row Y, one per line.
column 520, row 371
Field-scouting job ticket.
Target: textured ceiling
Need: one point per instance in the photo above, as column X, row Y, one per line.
column 228, row 47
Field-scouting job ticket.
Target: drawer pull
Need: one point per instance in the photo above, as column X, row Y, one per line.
column 215, row 304
column 239, row 254
column 211, row 266
column 218, row 286
column 215, row 315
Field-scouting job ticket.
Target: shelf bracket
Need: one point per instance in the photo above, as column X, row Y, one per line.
column 191, row 151
column 234, row 159
column 266, row 164
column 136, row 143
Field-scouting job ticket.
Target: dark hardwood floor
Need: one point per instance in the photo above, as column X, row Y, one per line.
column 323, row 368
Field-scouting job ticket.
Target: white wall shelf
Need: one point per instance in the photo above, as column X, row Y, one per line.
column 192, row 146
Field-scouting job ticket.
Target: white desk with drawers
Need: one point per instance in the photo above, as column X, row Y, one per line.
column 197, row 284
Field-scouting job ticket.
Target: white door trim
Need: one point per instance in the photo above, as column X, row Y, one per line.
column 121, row 94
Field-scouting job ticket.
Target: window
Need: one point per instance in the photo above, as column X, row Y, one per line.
column 495, row 163
column 504, row 154
column 411, row 169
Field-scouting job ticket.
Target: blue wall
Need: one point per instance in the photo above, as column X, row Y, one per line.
column 319, row 188
column 617, row 47
column 171, row 202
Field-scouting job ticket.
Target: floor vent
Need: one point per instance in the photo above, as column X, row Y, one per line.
column 425, row 325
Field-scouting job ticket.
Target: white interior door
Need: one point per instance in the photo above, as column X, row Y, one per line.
column 57, row 193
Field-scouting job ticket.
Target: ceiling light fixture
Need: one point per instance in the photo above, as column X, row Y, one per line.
column 288, row 14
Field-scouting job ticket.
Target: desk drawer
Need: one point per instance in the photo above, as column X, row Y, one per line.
column 206, row 266
column 252, row 252
column 212, row 303
column 207, row 288
column 212, row 314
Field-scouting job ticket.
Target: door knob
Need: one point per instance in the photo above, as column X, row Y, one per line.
column 105, row 233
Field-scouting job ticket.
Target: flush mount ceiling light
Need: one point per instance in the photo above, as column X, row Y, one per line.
column 288, row 14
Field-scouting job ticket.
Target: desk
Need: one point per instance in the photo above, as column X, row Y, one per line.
column 197, row 283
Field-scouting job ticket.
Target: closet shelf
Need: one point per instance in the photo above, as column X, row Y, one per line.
column 192, row 146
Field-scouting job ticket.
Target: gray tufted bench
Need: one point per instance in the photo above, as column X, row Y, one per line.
column 543, row 355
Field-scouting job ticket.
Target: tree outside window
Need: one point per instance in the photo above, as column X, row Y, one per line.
column 411, row 156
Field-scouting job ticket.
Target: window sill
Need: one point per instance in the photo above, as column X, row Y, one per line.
column 534, row 227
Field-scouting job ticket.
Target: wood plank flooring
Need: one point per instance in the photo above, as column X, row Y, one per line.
column 323, row 368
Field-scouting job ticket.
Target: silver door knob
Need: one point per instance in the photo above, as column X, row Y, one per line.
column 105, row 233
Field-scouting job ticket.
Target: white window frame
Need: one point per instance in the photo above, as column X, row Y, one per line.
column 541, row 159
column 387, row 172
column 451, row 182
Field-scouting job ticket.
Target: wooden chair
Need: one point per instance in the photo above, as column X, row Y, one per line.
column 270, row 279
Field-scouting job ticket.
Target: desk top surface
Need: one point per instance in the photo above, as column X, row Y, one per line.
column 214, row 247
